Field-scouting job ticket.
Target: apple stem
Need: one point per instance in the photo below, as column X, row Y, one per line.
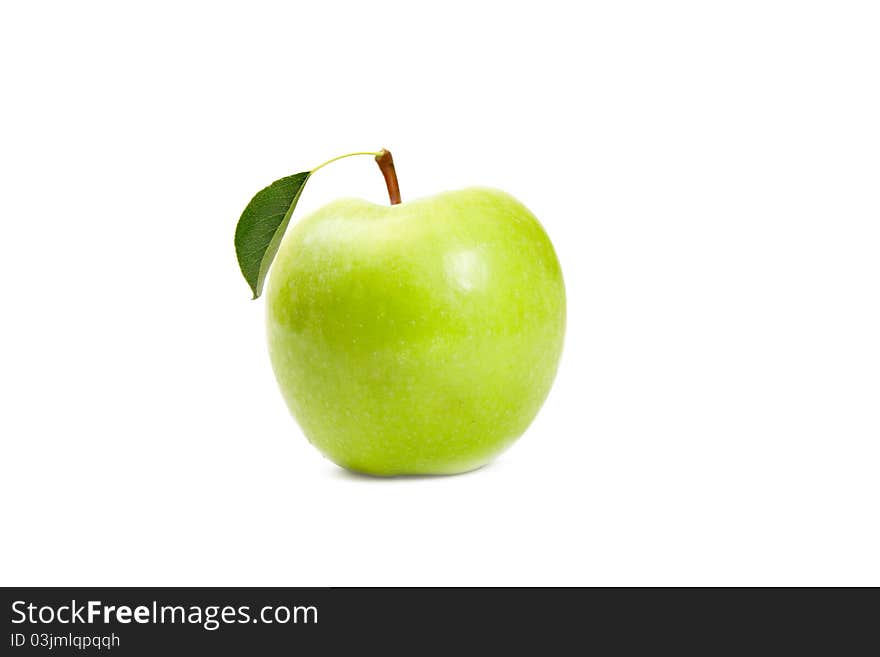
column 386, row 166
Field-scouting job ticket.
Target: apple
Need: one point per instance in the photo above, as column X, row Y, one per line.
column 417, row 338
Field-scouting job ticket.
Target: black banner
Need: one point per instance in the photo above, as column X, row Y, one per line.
column 171, row 621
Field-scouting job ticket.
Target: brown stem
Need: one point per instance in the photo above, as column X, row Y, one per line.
column 386, row 166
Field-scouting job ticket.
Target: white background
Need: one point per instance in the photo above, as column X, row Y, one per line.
column 708, row 172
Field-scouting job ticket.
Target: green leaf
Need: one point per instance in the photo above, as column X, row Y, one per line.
column 262, row 225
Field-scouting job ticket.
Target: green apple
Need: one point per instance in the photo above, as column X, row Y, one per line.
column 417, row 338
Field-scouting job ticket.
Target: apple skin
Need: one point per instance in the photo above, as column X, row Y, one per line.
column 419, row 338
